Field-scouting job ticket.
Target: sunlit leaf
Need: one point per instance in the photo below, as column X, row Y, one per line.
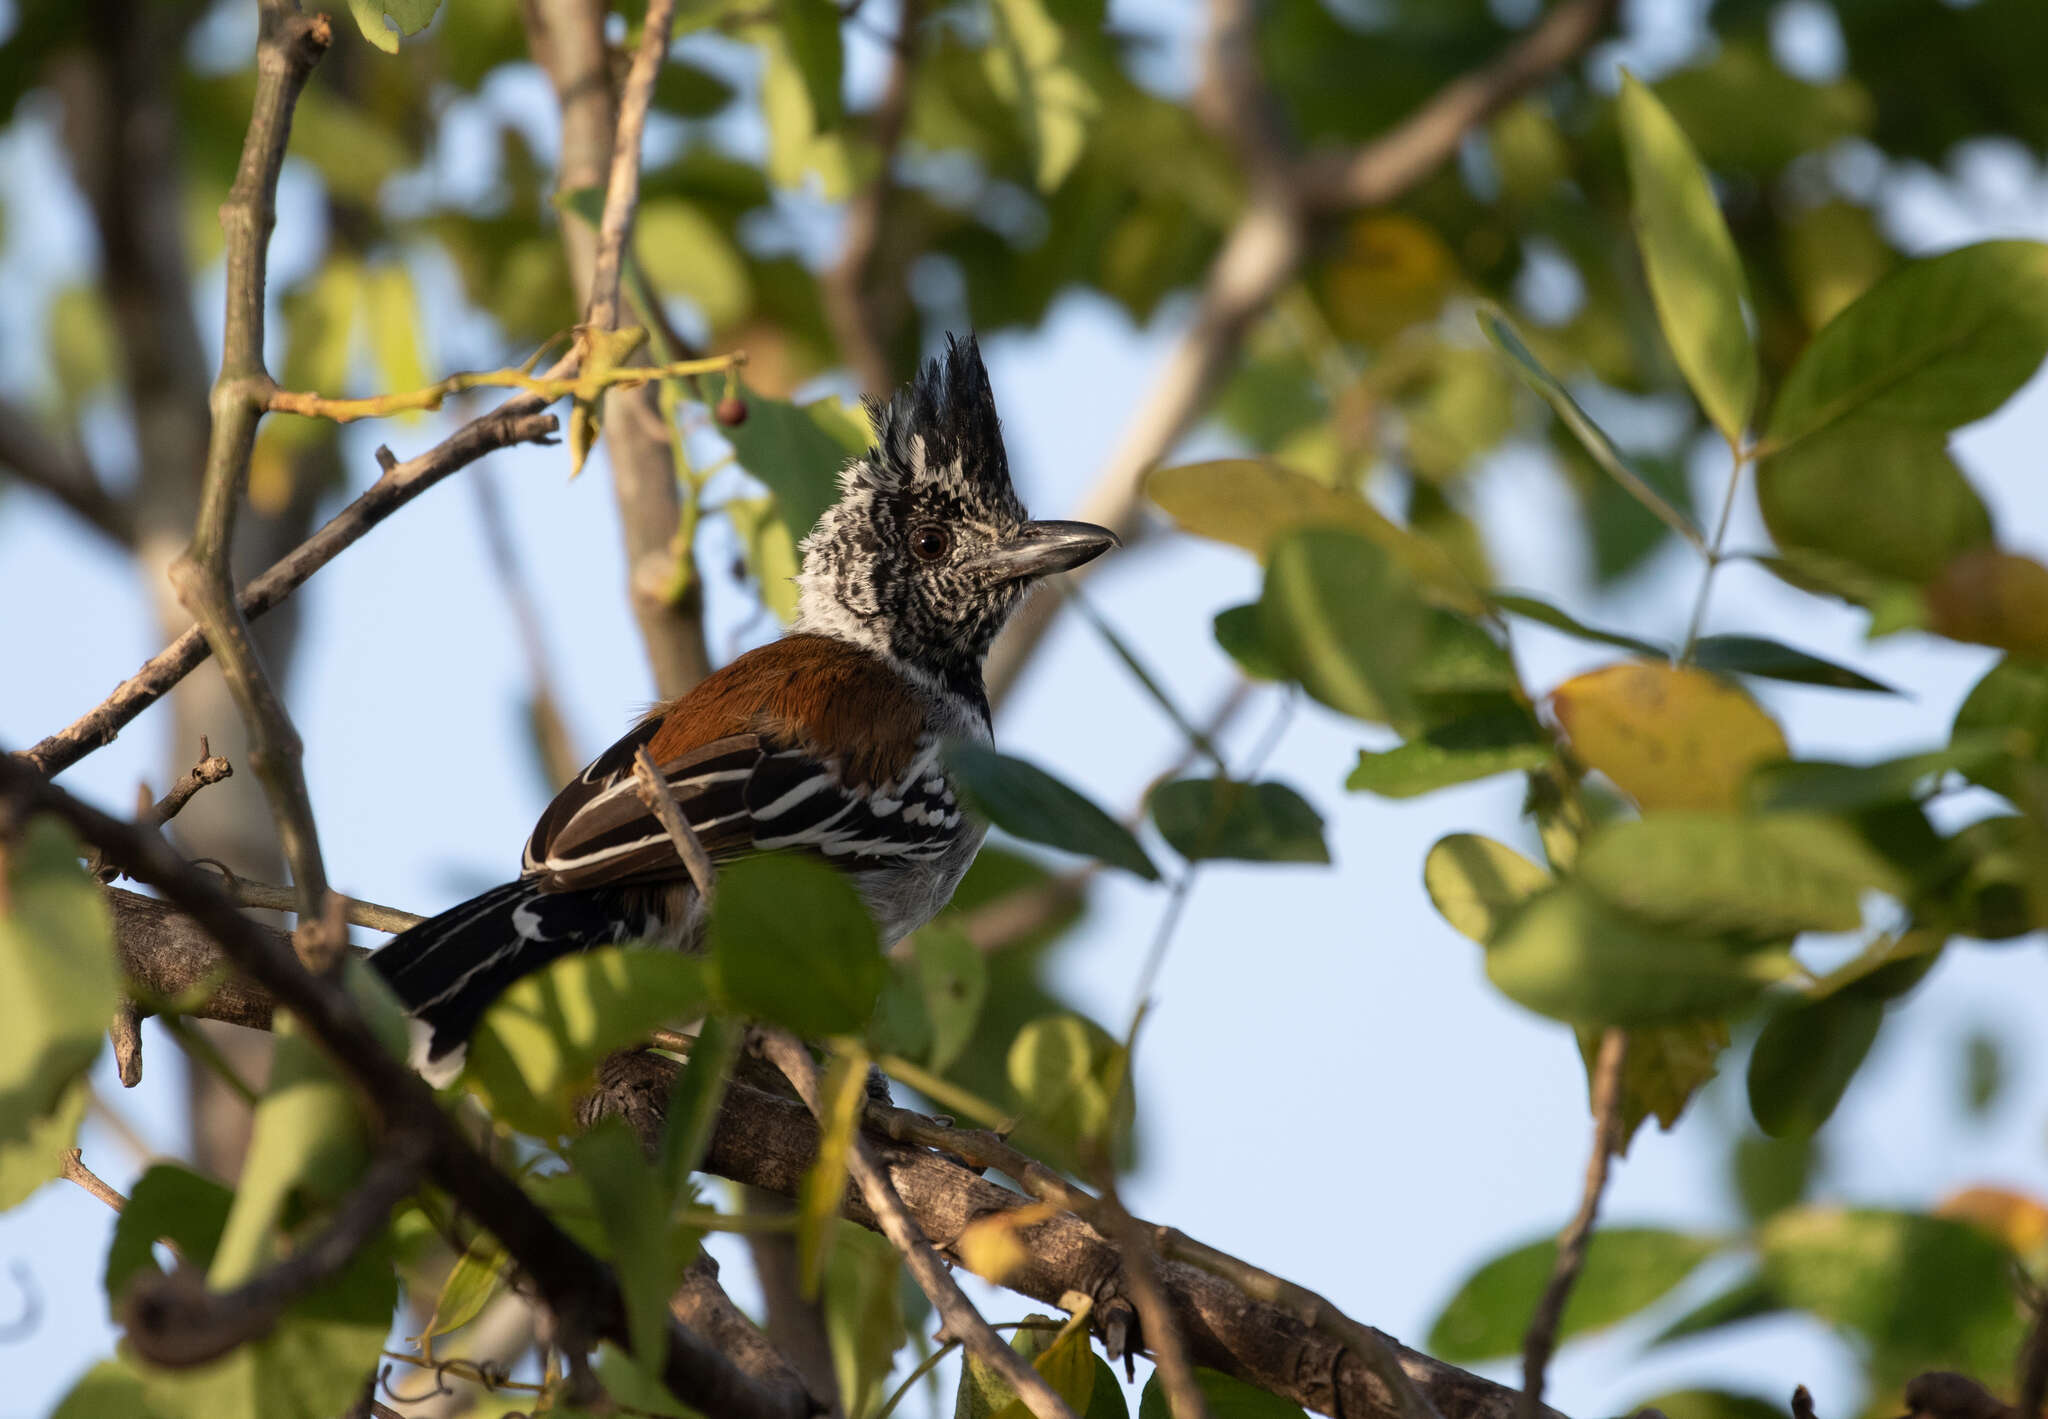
column 1252, row 822
column 1627, row 1269
column 1939, row 343
column 1027, row 68
column 686, row 253
column 1497, row 739
column 842, row 1090
column 109, row 1390
column 792, row 942
column 58, row 985
column 1669, row 737
column 1478, row 884
column 406, row 17
column 1804, row 1059
column 1695, row 274
column 391, row 316
column 27, row 1163
column 1027, row 802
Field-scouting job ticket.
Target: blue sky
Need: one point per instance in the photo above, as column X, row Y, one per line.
column 1329, row 1086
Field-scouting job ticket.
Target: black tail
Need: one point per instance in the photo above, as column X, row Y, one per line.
column 448, row 969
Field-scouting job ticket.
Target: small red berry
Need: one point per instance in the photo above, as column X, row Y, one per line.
column 731, row 411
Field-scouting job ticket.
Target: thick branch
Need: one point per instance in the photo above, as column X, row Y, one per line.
column 579, row 1288
column 518, row 420
column 38, row 461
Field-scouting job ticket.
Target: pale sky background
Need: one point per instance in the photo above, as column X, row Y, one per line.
column 1330, row 1088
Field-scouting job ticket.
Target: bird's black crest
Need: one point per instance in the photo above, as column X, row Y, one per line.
column 952, row 408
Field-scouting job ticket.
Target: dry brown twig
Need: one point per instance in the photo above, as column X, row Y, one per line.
column 653, row 790
column 1541, row 1338
column 76, row 1171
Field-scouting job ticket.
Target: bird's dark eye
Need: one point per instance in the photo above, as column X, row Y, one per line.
column 930, row 543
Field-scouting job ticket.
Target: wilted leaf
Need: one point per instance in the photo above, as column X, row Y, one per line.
column 540, row 1043
column 1804, row 1059
column 791, row 942
column 478, row 1275
column 1253, row 822
column 1669, row 737
column 1477, row 884
column 1626, row 1270
column 1695, row 274
column 1027, row 802
column 1667, row 1066
column 1570, row 955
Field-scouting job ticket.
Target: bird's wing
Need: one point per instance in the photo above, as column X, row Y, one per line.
column 805, row 744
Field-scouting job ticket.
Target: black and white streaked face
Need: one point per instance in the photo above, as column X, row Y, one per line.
column 928, row 550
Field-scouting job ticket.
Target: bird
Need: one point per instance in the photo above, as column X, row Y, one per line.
column 828, row 741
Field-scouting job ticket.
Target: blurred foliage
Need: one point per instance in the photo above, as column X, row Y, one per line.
column 1698, row 254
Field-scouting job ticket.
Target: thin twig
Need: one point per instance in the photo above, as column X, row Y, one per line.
column 1541, row 1338
column 1162, row 1336
column 288, row 45
column 124, row 1033
column 655, row 792
column 76, row 1171
column 622, row 192
column 174, row 1320
column 518, row 420
column 268, row 896
column 578, row 1288
column 547, row 388
column 957, row 1314
column 210, row 769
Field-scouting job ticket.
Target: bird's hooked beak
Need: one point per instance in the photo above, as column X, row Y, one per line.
column 1041, row 548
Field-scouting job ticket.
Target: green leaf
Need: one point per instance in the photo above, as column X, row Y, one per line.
column 1061, row 1359
column 308, row 1145
column 1252, row 822
column 1501, row 738
column 800, row 143
column 1771, row 1174
column 694, row 1099
column 2008, row 707
column 1477, row 883
column 685, row 252
column 1570, row 955
column 1843, row 788
column 770, row 552
column 633, row 1209
column 953, row 979
column 864, row 1319
column 1224, row 1396
column 1029, row 803
column 1069, row 1074
column 792, row 942
column 1532, row 608
column 1501, row 331
column 1251, row 502
column 1747, row 1299
column 1710, row 1404
column 1774, row 660
column 391, row 315
column 58, row 986
column 1804, row 1059
column 1939, row 343
column 1238, row 632
column 841, row 1092
column 1054, row 102
column 540, row 1043
column 1627, row 1269
column 810, row 29
column 1720, row 872
column 168, row 1203
column 1346, row 622
column 409, row 17
column 1876, row 492
column 478, row 1275
column 792, row 451
column 1923, row 1293
column 109, row 1390
column 27, row 1163
column 1695, row 274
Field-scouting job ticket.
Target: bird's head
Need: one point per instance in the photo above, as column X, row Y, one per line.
column 928, row 550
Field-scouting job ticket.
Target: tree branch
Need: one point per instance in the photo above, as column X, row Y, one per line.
column 622, row 189
column 1264, row 249
column 844, row 284
column 518, row 420
column 1572, row 1242
column 961, row 1321
column 579, row 1288
column 38, row 461
column 288, row 46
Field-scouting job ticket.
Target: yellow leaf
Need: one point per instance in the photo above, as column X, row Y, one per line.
column 1248, row 502
column 990, row 1247
column 1669, row 737
column 1389, row 272
column 841, row 1092
column 2020, row 1221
